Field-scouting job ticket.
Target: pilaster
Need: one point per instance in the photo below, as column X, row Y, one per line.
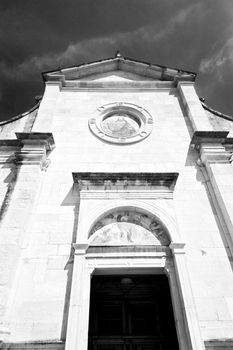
column 26, row 156
column 78, row 319
column 185, row 290
column 215, row 153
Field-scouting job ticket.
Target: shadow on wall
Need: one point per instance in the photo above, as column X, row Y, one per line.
column 8, row 262
column 72, row 199
column 10, row 180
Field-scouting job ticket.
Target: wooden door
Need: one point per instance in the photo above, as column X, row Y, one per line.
column 136, row 315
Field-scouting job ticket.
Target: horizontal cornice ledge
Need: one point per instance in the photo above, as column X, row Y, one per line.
column 80, row 248
column 177, row 247
column 39, row 138
column 211, row 146
column 200, row 137
column 125, row 181
column 215, row 153
column 10, row 143
column 8, row 149
column 118, row 85
column 34, row 148
column 146, row 69
column 127, row 194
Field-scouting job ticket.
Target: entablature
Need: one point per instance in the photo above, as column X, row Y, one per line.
column 115, row 85
column 125, row 181
column 213, row 146
column 28, row 148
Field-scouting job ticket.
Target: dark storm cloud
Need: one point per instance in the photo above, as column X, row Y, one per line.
column 36, row 36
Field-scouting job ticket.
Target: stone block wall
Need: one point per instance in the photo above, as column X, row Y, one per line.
column 44, row 210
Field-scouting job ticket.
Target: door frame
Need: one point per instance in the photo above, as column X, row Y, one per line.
column 171, row 261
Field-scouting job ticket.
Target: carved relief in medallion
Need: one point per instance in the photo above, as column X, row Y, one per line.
column 128, row 228
column 121, row 123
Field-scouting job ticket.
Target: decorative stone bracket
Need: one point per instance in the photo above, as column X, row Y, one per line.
column 29, row 148
column 214, row 146
column 177, row 248
column 35, row 148
column 80, row 248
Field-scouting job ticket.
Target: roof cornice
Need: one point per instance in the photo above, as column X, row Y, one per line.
column 154, row 71
column 217, row 113
column 22, row 115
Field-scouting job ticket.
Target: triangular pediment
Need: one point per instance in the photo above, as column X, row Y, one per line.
column 117, row 75
column 118, row 69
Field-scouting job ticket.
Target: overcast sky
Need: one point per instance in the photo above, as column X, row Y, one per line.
column 41, row 35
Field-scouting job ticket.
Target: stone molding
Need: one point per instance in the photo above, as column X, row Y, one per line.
column 121, row 194
column 107, row 251
column 212, row 146
column 106, row 86
column 120, row 251
column 114, row 85
column 215, row 153
column 28, row 148
column 125, row 181
column 102, row 262
column 177, row 248
column 226, row 344
column 128, row 227
column 35, row 147
column 80, row 248
column 8, row 149
column 135, row 125
column 37, row 345
column 211, row 137
column 39, row 138
column 145, row 69
column 164, row 215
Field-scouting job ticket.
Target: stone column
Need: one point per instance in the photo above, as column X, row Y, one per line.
column 78, row 319
column 184, row 286
column 29, row 157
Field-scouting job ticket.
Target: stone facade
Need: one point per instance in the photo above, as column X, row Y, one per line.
column 153, row 178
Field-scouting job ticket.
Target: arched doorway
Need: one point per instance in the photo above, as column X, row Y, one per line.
column 126, row 241
column 130, row 311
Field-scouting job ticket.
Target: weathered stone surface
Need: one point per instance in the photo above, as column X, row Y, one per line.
column 46, row 212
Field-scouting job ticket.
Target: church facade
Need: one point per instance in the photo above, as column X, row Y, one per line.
column 116, row 219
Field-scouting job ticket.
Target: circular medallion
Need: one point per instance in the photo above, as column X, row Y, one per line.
column 121, row 123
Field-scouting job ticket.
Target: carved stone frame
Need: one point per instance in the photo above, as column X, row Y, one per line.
column 88, row 263
column 156, row 259
column 143, row 118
